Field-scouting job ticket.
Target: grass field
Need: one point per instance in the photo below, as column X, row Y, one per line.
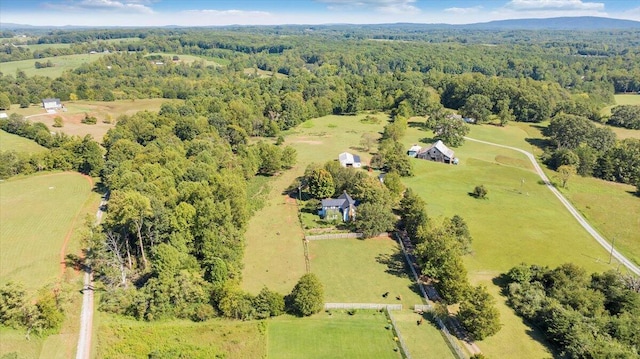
column 61, row 64
column 128, row 338
column 360, row 271
column 338, row 335
column 424, row 341
column 518, row 223
column 11, row 142
column 189, row 59
column 76, row 111
column 623, row 99
column 37, row 216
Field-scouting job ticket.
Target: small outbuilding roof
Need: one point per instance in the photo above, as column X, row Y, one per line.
column 415, row 148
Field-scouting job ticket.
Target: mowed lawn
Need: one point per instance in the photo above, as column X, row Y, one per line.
column 360, row 271
column 60, row 64
column 11, row 142
column 129, row 338
column 334, row 336
column 37, row 213
column 425, row 341
column 623, row 99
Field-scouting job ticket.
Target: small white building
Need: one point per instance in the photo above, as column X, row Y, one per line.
column 51, row 104
column 413, row 151
column 349, row 160
column 3, row 115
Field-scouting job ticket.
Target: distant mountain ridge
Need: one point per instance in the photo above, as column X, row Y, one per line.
column 554, row 23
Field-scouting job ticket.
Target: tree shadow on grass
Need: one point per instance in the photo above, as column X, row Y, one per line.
column 394, row 262
column 541, row 143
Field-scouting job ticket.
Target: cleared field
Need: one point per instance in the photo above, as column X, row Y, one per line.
column 127, row 338
column 339, row 335
column 424, row 341
column 520, row 222
column 623, row 99
column 360, row 271
column 61, row 64
column 189, row 59
column 34, row 47
column 37, row 218
column 102, row 110
column 11, row 142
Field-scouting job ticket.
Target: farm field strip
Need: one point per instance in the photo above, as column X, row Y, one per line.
column 11, row 142
column 61, row 64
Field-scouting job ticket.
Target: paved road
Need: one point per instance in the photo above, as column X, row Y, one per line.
column 574, row 212
column 86, row 317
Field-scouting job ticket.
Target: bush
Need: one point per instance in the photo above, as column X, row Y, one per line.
column 57, row 122
column 480, row 192
column 89, row 120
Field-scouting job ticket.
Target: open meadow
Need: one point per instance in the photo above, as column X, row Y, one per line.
column 37, row 217
column 623, row 99
column 128, row 338
column 11, row 142
column 60, row 65
column 339, row 335
column 102, row 110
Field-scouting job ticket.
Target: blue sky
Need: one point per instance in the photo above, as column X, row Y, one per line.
column 267, row 12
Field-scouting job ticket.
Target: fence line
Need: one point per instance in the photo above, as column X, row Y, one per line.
column 377, row 306
column 422, row 308
column 443, row 328
column 339, row 235
column 403, row 346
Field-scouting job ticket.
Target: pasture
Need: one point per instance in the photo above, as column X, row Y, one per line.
column 339, row 335
column 424, row 341
column 11, row 142
column 521, row 221
column 274, row 254
column 189, row 59
column 360, row 271
column 38, row 216
column 128, row 338
column 623, row 99
column 102, row 110
column 61, row 64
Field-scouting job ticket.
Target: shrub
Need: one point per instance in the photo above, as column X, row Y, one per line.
column 57, row 122
column 480, row 192
column 307, row 297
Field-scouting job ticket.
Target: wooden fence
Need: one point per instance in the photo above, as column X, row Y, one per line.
column 396, row 332
column 339, row 235
column 376, row 306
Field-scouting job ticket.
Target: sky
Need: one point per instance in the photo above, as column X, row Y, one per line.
column 268, row 12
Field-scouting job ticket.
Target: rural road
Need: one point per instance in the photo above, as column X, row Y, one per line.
column 86, row 317
column 574, row 212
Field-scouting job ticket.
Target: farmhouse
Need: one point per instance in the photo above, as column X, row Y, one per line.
column 51, row 104
column 413, row 151
column 349, row 160
column 342, row 207
column 437, row 152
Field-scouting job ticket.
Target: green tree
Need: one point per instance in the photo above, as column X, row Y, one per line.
column 478, row 314
column 12, row 303
column 373, row 218
column 268, row 304
column 566, row 172
column 413, row 211
column 307, row 297
column 5, row 102
column 57, row 121
column 478, row 107
column 480, row 192
column 320, row 183
column 368, row 140
column 270, row 158
column 451, row 131
column 130, row 210
column 569, row 131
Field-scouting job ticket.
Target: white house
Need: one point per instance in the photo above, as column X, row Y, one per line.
column 51, row 104
column 349, row 160
column 413, row 151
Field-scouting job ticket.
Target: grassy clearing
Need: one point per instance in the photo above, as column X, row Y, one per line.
column 360, row 271
column 36, row 47
column 338, row 335
column 189, row 59
column 40, row 212
column 61, row 64
column 128, row 338
column 102, row 110
column 424, row 341
column 11, row 142
column 520, row 222
column 623, row 99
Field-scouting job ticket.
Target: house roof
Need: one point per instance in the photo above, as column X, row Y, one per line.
column 48, row 100
column 344, row 201
column 441, row 147
column 415, row 148
column 347, row 157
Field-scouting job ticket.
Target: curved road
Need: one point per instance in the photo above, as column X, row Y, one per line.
column 83, row 350
column 574, row 212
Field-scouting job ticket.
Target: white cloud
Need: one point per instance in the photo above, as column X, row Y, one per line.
column 464, row 10
column 125, row 6
column 384, row 6
column 554, row 5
